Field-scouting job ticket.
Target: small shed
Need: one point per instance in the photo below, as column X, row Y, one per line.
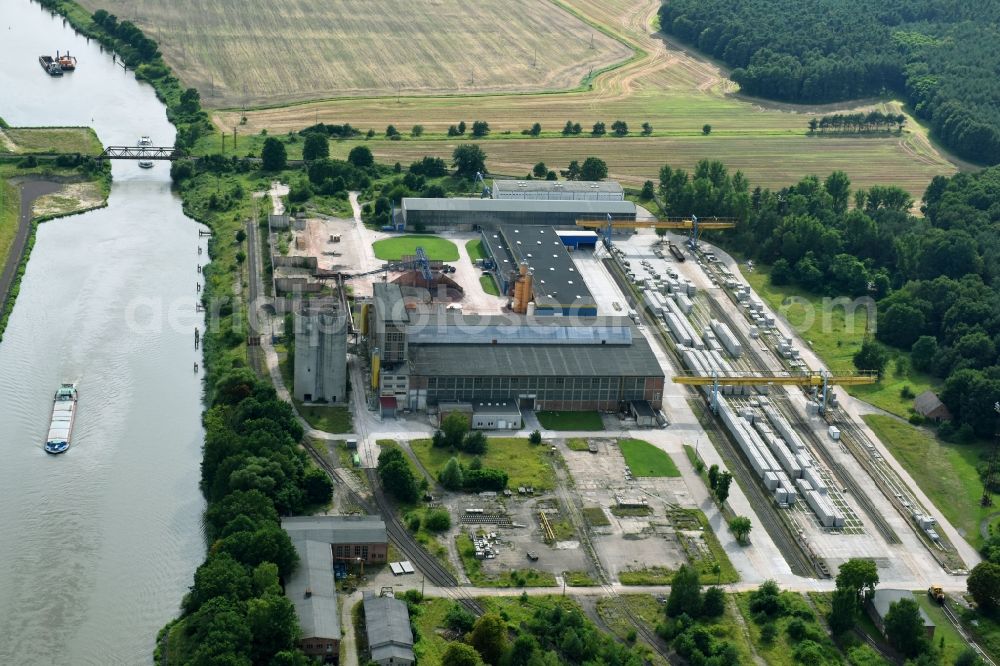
column 643, row 413
column 928, row 405
column 504, row 415
column 883, row 599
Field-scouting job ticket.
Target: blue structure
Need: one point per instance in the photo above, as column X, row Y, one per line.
column 577, row 239
column 557, row 287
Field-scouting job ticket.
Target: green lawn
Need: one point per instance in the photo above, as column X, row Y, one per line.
column 596, row 517
column 985, row 631
column 10, row 209
column 475, row 249
column 571, row 420
column 489, row 285
column 81, row 140
column 334, row 419
column 654, row 575
column 397, row 247
column 836, row 337
column 945, row 472
column 954, row 645
column 577, row 444
column 525, row 463
column 506, row 578
column 579, row 579
column 430, row 646
column 644, row 459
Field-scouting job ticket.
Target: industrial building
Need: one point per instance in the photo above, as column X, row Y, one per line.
column 531, row 263
column 320, row 366
column 538, row 363
column 312, row 590
column 387, row 623
column 557, row 190
column 421, row 214
column 349, row 538
column 883, row 599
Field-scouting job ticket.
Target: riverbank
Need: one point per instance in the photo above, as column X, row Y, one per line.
column 32, row 193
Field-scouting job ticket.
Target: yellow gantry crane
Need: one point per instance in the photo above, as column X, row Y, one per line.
column 692, row 224
column 811, row 379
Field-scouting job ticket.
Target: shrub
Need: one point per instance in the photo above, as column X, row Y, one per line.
column 437, row 520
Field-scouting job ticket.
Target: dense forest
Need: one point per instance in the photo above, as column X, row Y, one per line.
column 936, row 279
column 941, row 56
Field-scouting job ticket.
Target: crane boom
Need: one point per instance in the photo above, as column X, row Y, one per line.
column 811, row 379
column 692, row 224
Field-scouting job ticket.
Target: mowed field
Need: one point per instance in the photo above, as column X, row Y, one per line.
column 666, row 86
column 279, row 51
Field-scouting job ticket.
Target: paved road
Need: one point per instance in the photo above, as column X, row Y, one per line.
column 28, row 192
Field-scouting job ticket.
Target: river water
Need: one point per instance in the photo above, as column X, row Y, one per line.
column 98, row 545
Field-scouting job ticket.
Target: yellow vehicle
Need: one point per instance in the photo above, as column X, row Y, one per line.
column 936, row 593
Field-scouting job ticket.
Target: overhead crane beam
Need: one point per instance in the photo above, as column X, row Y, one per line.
column 813, row 379
column 691, row 224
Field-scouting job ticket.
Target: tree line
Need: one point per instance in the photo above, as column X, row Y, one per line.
column 935, row 279
column 873, row 121
column 253, row 471
column 940, row 57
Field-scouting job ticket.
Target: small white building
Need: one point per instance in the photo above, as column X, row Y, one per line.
column 496, row 416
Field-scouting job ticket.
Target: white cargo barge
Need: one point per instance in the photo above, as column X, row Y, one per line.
column 60, row 434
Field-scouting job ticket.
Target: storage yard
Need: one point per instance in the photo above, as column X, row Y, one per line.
column 825, row 478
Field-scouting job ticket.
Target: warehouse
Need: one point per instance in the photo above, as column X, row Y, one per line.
column 558, row 190
column 390, row 639
column 349, row 538
column 421, row 214
column 556, row 363
column 556, row 286
column 312, row 590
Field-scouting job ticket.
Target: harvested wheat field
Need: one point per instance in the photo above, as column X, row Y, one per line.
column 667, row 86
column 281, row 51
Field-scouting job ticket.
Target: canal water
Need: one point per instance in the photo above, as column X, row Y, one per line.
column 98, row 545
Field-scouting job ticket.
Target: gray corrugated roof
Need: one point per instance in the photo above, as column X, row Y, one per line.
column 610, row 186
column 928, row 402
column 389, row 300
column 467, row 334
column 336, row 529
column 555, row 279
column 318, row 612
column 521, row 205
column 399, row 655
column 388, row 624
column 884, row 598
column 635, row 360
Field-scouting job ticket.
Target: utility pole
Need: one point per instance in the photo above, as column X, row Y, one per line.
column 223, row 143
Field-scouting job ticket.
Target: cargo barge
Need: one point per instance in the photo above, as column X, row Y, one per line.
column 49, row 64
column 63, row 417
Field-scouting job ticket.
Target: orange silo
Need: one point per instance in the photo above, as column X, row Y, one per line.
column 522, row 290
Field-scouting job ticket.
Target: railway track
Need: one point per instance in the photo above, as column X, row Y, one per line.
column 799, row 561
column 839, row 472
column 953, row 618
column 845, row 478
